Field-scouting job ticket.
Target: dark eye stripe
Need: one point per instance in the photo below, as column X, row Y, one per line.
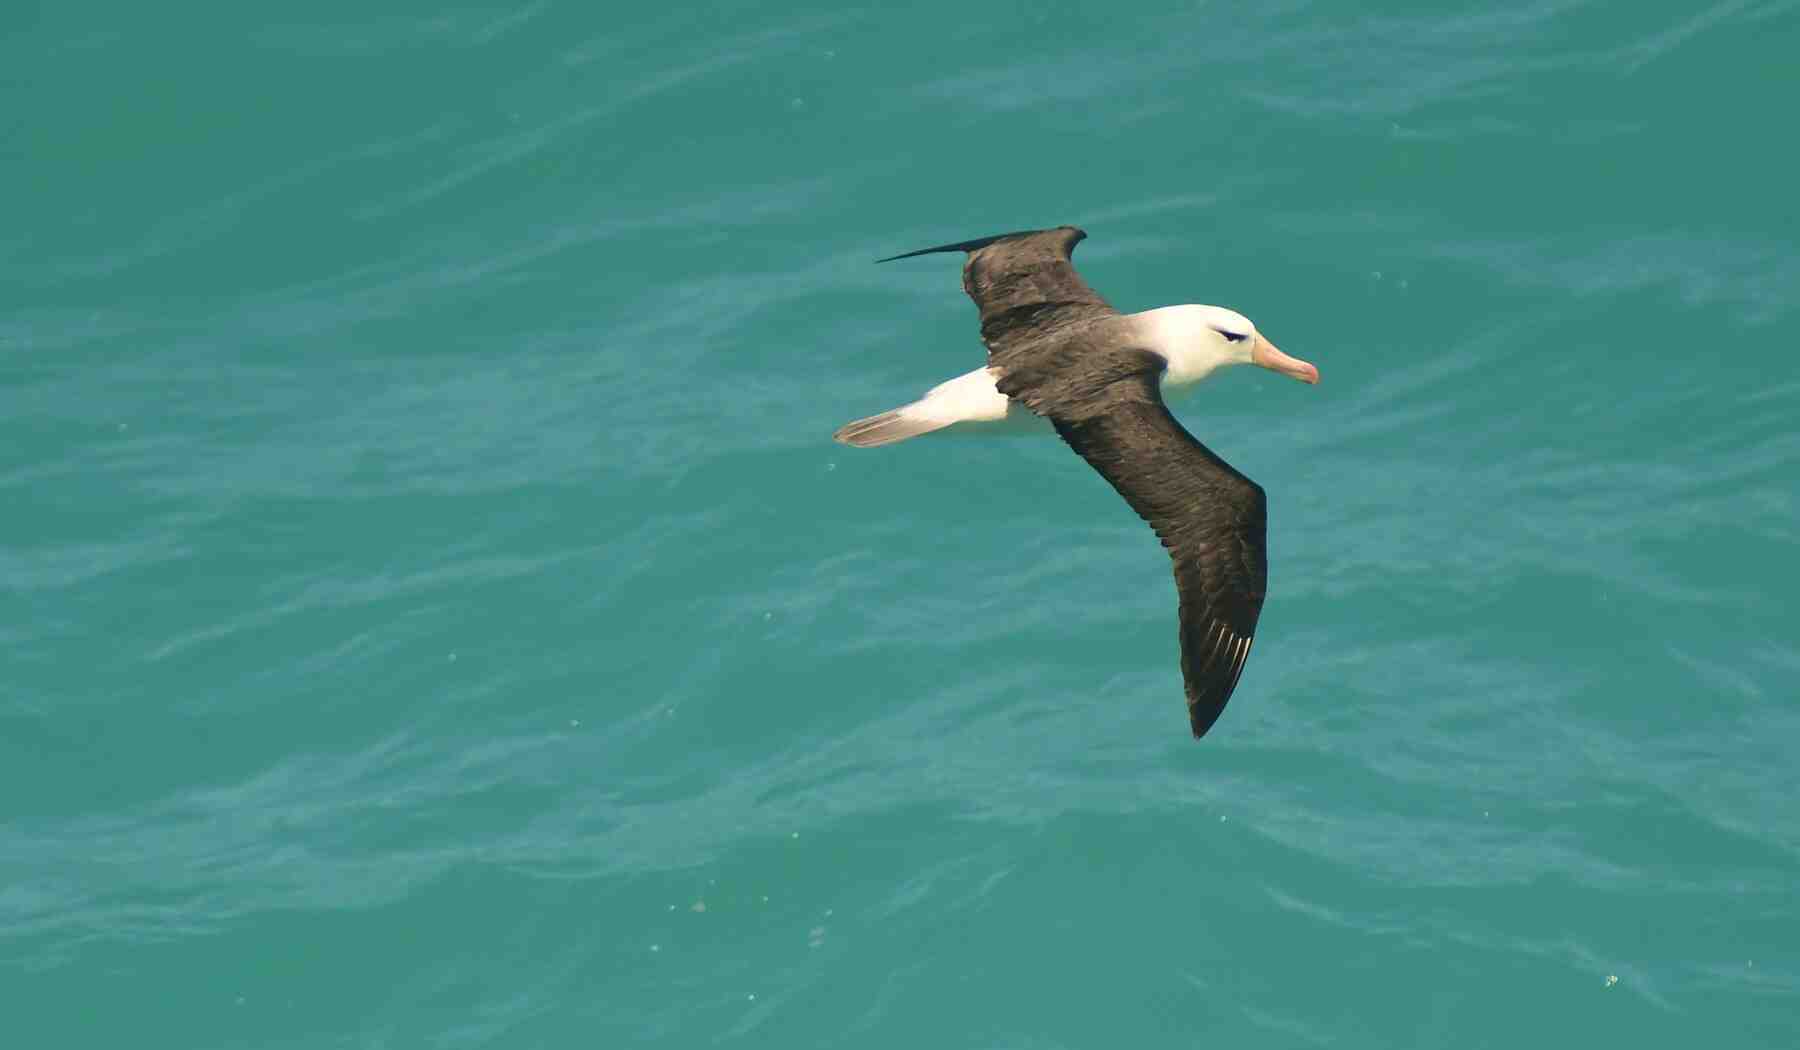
column 1232, row 337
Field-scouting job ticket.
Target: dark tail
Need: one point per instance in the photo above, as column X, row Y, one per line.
column 961, row 246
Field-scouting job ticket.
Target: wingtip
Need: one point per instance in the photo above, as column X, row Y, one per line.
column 960, row 246
column 1076, row 235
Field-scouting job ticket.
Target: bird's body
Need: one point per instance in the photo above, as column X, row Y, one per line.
column 972, row 402
column 1058, row 352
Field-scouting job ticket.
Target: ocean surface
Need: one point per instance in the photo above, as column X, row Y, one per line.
column 433, row 612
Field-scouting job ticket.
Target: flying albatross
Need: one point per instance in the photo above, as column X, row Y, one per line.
column 1059, row 351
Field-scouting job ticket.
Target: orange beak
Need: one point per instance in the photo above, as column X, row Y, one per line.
column 1266, row 354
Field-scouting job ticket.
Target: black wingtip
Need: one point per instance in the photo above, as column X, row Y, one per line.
column 960, row 246
column 976, row 244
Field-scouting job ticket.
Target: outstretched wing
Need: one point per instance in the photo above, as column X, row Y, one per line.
column 1211, row 518
column 1025, row 284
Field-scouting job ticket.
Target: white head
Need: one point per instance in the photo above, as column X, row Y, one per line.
column 1199, row 340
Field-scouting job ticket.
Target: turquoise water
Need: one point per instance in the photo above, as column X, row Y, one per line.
column 434, row 613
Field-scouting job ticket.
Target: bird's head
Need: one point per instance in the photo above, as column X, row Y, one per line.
column 1199, row 340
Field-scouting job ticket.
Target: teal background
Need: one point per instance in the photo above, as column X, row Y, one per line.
column 433, row 612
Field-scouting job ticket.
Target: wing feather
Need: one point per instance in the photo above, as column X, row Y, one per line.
column 1025, row 284
column 1212, row 519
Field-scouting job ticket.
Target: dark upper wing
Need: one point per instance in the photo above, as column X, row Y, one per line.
column 1025, row 284
column 1211, row 518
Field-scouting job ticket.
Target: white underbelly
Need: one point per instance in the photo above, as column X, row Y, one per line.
column 1017, row 420
column 969, row 404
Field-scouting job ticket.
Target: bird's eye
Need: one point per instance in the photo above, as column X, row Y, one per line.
column 1232, row 337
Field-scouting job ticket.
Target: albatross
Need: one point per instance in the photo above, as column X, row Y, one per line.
column 1057, row 350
